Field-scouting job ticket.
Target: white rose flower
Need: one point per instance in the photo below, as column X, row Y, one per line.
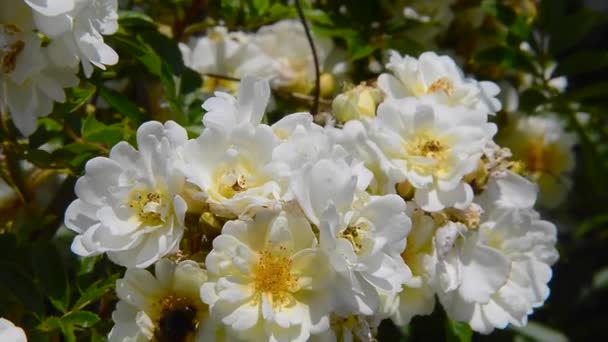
column 547, row 152
column 29, row 84
column 164, row 307
column 130, row 205
column 267, row 279
column 77, row 28
column 418, row 295
column 362, row 236
column 432, row 147
column 301, row 141
column 235, row 161
column 227, row 54
column 356, row 138
column 235, row 173
column 438, row 77
column 497, row 273
column 226, row 113
column 286, row 44
column 11, row 333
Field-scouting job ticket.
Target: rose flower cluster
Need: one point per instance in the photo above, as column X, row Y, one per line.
column 296, row 231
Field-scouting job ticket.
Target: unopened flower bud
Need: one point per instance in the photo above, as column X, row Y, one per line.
column 357, row 103
column 328, row 85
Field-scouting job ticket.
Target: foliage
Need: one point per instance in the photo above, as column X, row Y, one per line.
column 55, row 295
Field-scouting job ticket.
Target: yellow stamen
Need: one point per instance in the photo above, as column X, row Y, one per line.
column 442, row 84
column 147, row 205
column 351, row 233
column 272, row 275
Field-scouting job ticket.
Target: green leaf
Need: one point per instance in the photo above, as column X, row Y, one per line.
column 457, row 331
column 68, row 333
column 38, row 157
column 95, row 291
column 189, row 81
column 122, row 104
column 318, row 16
column 135, row 20
column 147, row 57
column 259, row 6
column 530, row 99
column 507, row 56
column 96, row 131
column 51, row 274
column 166, row 48
column 517, row 24
column 50, row 324
column 87, row 264
column 591, row 224
column 84, row 319
column 76, row 98
column 151, row 60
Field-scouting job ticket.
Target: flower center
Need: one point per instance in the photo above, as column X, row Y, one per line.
column 148, row 207
column 351, row 233
column 542, row 158
column 272, row 275
column 178, row 319
column 10, row 47
column 211, row 84
column 231, row 183
column 426, row 145
column 442, row 84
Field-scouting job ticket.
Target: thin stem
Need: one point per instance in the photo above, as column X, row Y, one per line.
column 317, row 93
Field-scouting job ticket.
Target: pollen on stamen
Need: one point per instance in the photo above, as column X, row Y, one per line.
column 146, row 206
column 442, row 84
column 425, row 144
column 351, row 233
column 272, row 275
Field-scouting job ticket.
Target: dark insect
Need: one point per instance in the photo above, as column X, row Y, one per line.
column 176, row 324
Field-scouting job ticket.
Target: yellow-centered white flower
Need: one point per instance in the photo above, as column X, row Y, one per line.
column 362, row 236
column 431, row 146
column 165, row 306
column 438, row 77
column 496, row 273
column 29, row 82
column 224, row 53
column 267, row 279
column 242, row 165
column 546, row 150
column 130, row 204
